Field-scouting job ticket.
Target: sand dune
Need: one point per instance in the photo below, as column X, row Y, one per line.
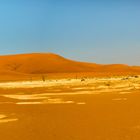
column 44, row 63
column 37, row 63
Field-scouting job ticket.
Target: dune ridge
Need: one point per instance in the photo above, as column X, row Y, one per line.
column 44, row 63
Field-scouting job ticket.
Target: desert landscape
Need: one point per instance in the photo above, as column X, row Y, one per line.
column 69, row 70
column 45, row 96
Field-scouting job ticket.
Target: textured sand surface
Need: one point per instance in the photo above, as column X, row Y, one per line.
column 89, row 109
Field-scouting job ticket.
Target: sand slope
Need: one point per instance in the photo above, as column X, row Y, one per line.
column 37, row 63
column 40, row 63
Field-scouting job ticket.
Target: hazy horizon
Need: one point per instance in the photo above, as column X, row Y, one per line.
column 103, row 32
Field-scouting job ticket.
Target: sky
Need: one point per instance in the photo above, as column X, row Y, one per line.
column 100, row 31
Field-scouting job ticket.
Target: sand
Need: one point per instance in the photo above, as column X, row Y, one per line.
column 63, row 109
column 48, row 97
column 49, row 65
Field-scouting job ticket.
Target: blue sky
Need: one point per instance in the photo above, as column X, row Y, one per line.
column 101, row 31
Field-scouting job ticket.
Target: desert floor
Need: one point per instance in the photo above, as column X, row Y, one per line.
column 71, row 109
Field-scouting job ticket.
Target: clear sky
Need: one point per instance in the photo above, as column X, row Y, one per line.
column 101, row 31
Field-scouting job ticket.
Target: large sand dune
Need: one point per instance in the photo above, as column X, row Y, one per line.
column 48, row 63
column 37, row 63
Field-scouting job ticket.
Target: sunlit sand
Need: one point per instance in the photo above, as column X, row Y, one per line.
column 6, row 119
column 96, row 108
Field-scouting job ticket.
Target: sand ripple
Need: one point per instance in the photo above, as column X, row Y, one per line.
column 6, row 119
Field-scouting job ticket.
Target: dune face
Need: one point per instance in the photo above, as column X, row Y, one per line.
column 42, row 63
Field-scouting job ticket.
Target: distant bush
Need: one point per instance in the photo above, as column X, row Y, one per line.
column 43, row 78
column 107, row 84
column 82, row 79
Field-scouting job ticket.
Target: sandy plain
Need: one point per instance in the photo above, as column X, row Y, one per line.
column 71, row 109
